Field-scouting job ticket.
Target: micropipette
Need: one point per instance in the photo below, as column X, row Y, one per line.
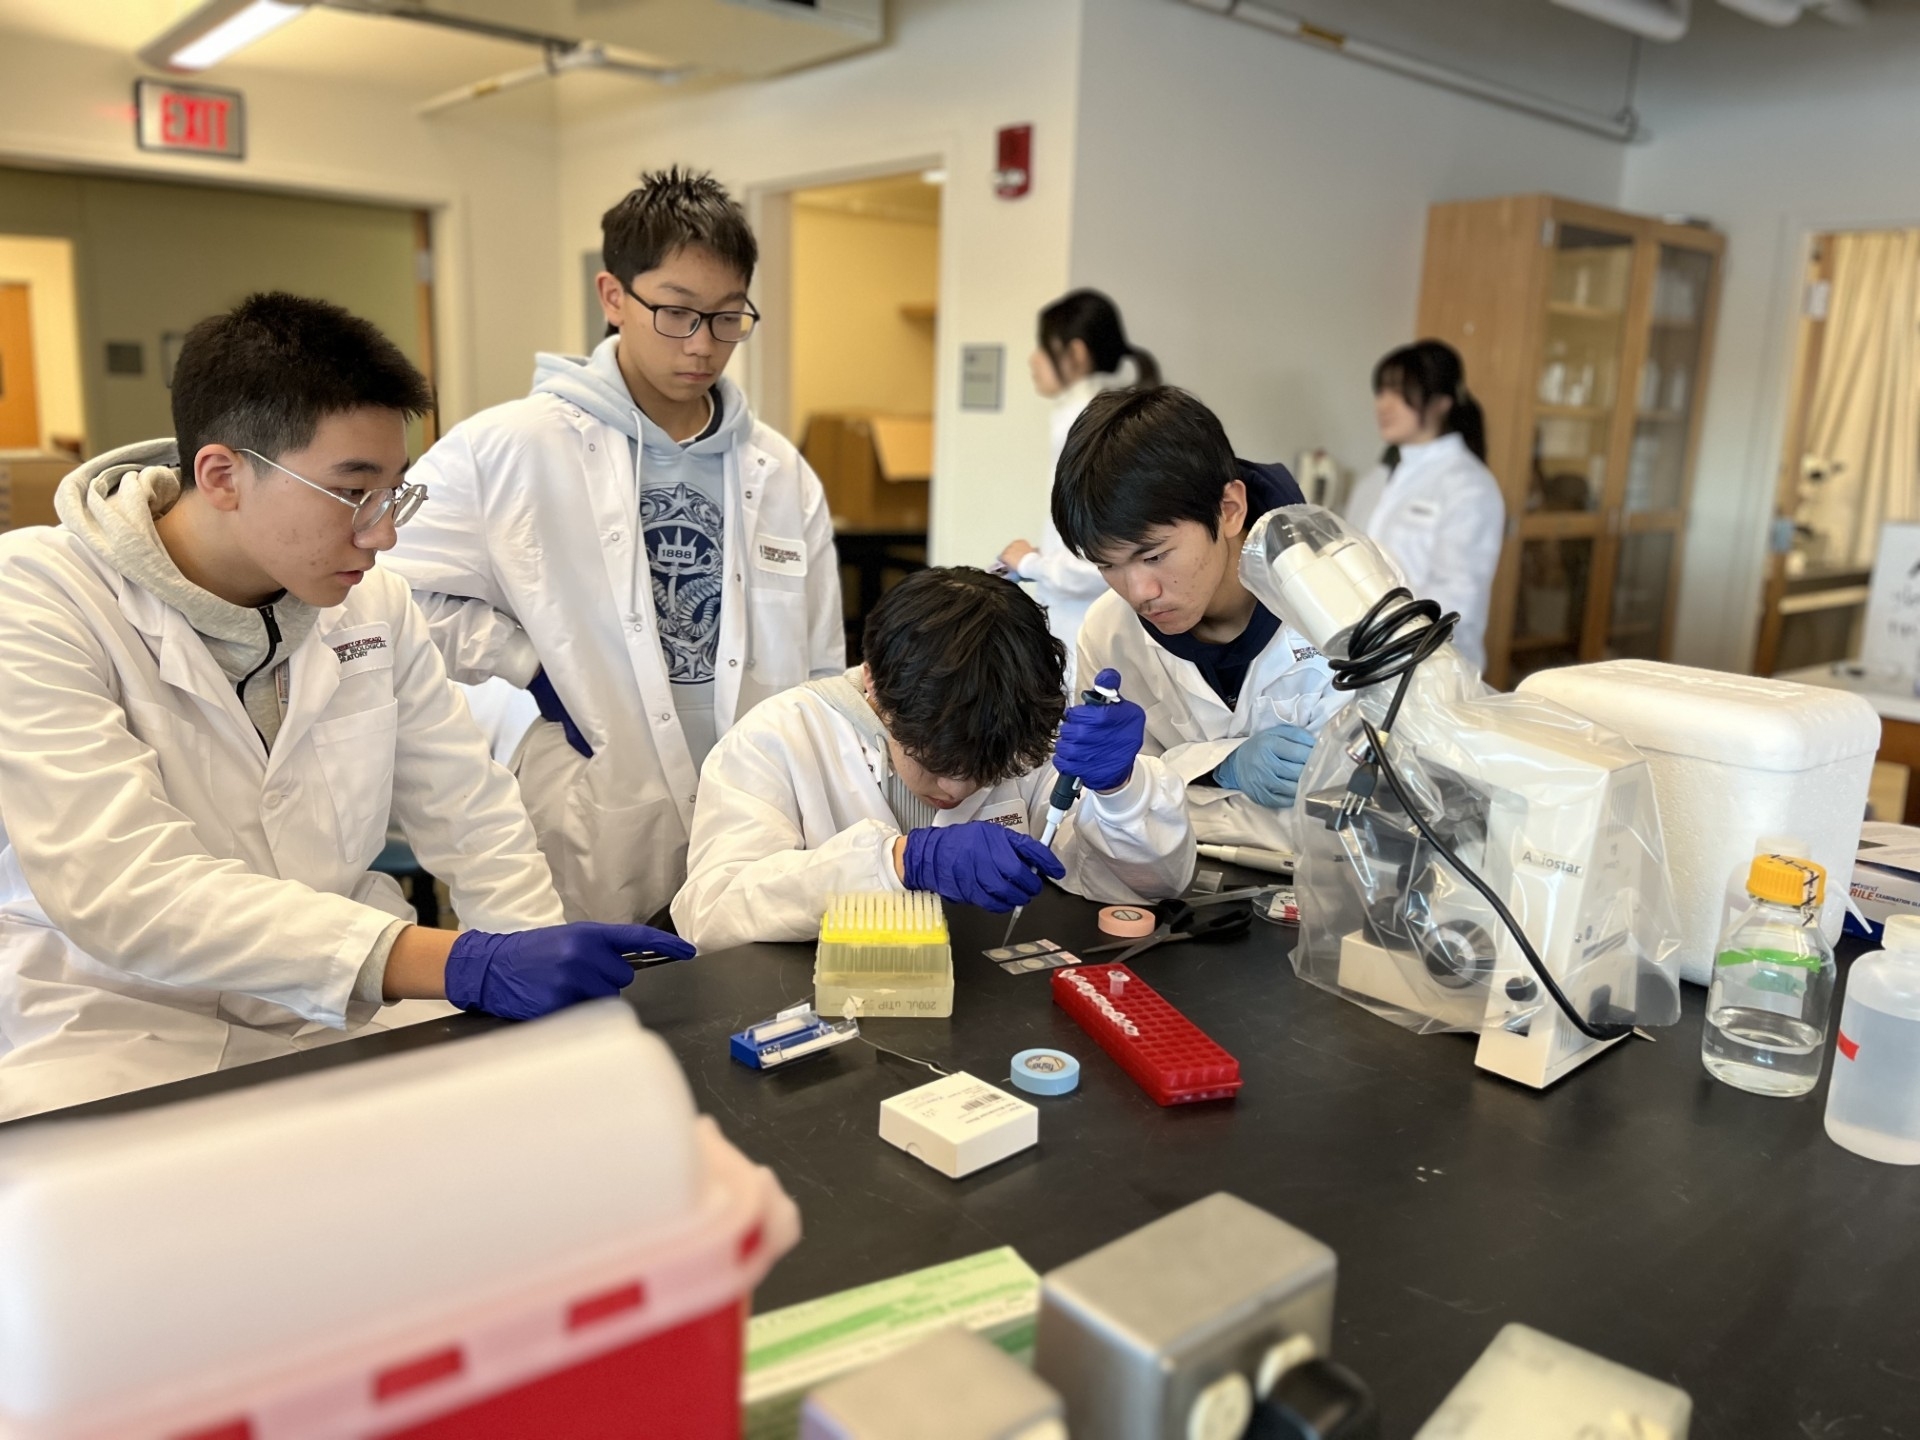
column 1066, row 788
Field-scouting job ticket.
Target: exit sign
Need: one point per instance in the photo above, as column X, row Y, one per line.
column 190, row 119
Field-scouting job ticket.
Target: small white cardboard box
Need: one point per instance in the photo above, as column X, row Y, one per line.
column 959, row 1124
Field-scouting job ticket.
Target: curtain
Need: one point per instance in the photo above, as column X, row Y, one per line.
column 1863, row 430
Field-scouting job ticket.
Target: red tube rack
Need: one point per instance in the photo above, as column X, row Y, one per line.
column 1168, row 1056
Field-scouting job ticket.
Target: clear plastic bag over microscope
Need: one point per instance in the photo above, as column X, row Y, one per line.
column 1428, row 782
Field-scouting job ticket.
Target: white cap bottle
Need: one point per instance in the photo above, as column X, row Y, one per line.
column 1873, row 1100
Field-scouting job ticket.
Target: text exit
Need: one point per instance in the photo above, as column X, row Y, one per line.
column 190, row 119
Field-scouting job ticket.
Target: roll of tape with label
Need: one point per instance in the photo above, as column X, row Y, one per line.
column 1129, row 922
column 1045, row 1072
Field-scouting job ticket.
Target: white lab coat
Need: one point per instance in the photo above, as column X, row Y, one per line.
column 1191, row 729
column 173, row 899
column 792, row 811
column 1441, row 518
column 529, row 551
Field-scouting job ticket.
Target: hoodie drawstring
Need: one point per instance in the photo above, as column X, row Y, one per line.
column 273, row 649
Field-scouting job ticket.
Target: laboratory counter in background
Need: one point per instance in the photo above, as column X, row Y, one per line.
column 1704, row 1236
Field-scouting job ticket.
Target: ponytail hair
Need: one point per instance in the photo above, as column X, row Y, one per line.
column 1432, row 370
column 1094, row 320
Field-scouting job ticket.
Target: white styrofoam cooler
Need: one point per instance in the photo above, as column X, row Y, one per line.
column 1734, row 758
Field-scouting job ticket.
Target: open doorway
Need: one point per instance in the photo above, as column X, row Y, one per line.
column 121, row 268
column 1851, row 457
column 857, row 276
column 42, row 415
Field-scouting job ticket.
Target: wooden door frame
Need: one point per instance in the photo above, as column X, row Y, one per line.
column 28, row 365
column 768, row 377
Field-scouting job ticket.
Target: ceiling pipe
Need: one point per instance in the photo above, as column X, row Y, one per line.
column 1662, row 20
column 1667, row 20
column 1840, row 12
column 1622, row 127
column 1768, row 12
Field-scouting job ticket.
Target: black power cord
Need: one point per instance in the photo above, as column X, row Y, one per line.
column 1387, row 642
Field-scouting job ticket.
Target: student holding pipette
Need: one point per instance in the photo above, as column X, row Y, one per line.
column 928, row 768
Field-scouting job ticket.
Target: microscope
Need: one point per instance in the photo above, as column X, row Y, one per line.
column 1472, row 861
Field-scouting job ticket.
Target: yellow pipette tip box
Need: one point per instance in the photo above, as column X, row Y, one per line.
column 888, row 952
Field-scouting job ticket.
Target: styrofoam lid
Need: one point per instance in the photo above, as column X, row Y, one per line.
column 1745, row 720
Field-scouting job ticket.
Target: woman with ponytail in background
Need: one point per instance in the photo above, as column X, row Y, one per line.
column 1083, row 350
column 1432, row 504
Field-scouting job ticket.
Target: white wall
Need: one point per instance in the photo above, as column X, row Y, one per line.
column 1257, row 208
column 954, row 71
column 489, row 179
column 46, row 267
column 1773, row 136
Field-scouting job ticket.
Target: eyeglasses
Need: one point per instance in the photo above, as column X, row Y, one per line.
column 369, row 507
column 677, row 322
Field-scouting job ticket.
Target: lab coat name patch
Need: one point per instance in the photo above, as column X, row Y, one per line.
column 780, row 557
column 1010, row 813
column 362, row 650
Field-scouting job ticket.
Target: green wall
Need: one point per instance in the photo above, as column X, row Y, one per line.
column 152, row 258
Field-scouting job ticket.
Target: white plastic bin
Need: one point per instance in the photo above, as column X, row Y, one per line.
column 1733, row 758
column 525, row 1232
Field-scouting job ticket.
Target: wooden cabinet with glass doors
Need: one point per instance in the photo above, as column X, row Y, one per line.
column 1587, row 334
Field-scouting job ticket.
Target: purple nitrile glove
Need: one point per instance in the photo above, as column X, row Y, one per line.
column 978, row 863
column 534, row 972
column 1098, row 743
column 544, row 695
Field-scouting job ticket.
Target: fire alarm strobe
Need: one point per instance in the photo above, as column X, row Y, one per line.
column 1013, row 174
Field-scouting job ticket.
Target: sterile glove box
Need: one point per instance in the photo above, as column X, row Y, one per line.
column 1734, row 758
column 529, row 1232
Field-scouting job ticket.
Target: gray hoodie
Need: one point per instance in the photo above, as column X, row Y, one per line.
column 682, row 506
column 111, row 503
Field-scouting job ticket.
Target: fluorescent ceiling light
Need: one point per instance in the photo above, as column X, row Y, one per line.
column 216, row 30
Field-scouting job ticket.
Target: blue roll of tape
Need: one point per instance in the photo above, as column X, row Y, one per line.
column 1045, row 1072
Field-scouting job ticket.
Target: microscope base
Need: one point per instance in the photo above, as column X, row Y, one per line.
column 1530, row 1043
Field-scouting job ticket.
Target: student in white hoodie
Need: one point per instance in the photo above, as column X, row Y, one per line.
column 1083, row 349
column 929, row 768
column 631, row 546
column 214, row 700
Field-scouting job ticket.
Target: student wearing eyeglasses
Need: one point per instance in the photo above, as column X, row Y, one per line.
column 214, row 700
column 631, row 546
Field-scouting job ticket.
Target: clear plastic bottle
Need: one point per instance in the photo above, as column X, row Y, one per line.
column 1873, row 1100
column 1772, row 984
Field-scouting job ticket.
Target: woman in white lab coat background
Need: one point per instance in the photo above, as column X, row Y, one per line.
column 1083, row 349
column 1432, row 504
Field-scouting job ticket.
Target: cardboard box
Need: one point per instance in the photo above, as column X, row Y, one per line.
column 995, row 1294
column 876, row 469
column 28, row 479
column 1886, row 872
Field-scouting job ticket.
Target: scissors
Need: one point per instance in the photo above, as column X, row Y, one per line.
column 1180, row 920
